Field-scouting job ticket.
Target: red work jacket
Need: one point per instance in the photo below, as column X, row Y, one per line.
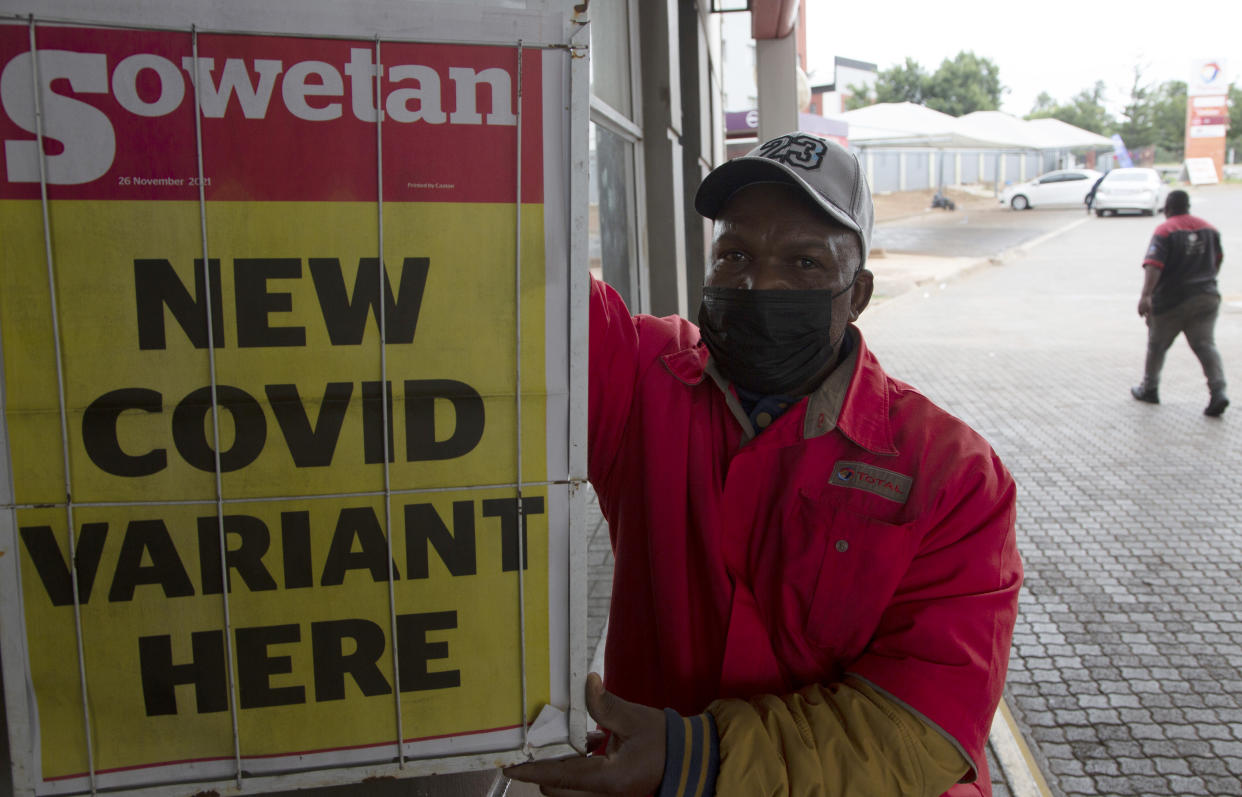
column 865, row 531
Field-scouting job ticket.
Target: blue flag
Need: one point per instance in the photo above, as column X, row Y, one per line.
column 1119, row 149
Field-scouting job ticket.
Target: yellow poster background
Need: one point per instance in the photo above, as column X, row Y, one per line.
column 466, row 332
column 483, row 647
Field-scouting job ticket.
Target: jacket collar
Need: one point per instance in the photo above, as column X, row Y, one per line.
column 854, row 399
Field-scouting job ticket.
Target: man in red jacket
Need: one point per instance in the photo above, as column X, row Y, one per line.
column 1180, row 297
column 816, row 574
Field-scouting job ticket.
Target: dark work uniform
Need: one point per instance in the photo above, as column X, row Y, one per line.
column 1186, row 300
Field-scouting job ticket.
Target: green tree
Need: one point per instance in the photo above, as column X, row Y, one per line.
column 1136, row 117
column 1044, row 107
column 1085, row 109
column 964, row 84
column 1168, row 119
column 960, row 85
column 859, row 97
column 901, row 83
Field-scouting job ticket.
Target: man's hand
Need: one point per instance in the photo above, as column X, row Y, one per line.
column 1144, row 306
column 632, row 764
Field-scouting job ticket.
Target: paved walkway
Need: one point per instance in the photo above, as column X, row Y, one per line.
column 1127, row 662
column 1126, row 671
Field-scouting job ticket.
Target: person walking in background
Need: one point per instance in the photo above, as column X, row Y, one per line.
column 1180, row 297
column 1089, row 199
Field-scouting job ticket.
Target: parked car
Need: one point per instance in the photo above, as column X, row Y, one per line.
column 1131, row 189
column 1061, row 188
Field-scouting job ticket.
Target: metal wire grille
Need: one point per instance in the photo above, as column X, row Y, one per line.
column 221, row 501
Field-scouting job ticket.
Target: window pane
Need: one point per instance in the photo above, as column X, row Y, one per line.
column 611, row 217
column 610, row 54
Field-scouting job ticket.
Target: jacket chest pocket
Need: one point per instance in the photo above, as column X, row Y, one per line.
column 863, row 561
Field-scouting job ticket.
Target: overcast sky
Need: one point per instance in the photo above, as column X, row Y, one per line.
column 1058, row 46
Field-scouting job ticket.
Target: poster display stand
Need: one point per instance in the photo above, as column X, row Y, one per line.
column 292, row 449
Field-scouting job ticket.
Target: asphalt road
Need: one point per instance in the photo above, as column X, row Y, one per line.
column 1126, row 669
column 969, row 233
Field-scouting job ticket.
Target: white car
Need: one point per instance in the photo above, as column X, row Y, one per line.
column 1062, row 188
column 1130, row 189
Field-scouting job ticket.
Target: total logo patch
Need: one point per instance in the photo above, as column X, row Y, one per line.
column 861, row 476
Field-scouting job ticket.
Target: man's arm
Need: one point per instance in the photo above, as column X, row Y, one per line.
column 1153, row 264
column 844, row 739
column 1151, row 275
column 839, row 739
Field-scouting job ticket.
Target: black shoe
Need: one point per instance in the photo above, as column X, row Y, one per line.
column 1150, row 395
column 1216, row 407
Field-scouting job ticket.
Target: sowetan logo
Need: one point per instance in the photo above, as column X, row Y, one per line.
column 309, row 90
column 861, row 476
column 805, row 152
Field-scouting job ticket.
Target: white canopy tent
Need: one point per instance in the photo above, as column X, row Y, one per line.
column 907, row 124
column 906, row 146
column 1001, row 129
column 1067, row 136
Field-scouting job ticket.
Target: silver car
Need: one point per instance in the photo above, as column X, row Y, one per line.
column 1061, row 188
column 1136, row 189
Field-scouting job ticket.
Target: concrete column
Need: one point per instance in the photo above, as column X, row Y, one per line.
column 662, row 151
column 776, row 64
column 703, row 128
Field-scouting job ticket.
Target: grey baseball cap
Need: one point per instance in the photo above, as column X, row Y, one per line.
column 829, row 174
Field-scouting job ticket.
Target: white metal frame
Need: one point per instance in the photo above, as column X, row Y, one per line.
column 572, row 122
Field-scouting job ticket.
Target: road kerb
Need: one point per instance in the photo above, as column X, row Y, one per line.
column 1014, row 756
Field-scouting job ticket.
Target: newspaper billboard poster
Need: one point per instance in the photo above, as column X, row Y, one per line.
column 285, row 425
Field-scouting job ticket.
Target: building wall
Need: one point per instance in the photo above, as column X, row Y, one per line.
column 849, row 77
column 657, row 116
column 916, row 169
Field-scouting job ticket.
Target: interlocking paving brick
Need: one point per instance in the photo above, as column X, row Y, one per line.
column 1184, row 785
column 1186, row 747
column 1218, row 785
column 1211, row 731
column 1136, row 766
column 1181, row 731
column 1077, row 785
column 1171, row 766
column 1223, row 748
column 1149, row 784
column 1102, row 766
column 1207, row 766
column 1112, row 785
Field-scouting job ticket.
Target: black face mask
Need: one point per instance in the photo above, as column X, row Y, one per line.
column 769, row 342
